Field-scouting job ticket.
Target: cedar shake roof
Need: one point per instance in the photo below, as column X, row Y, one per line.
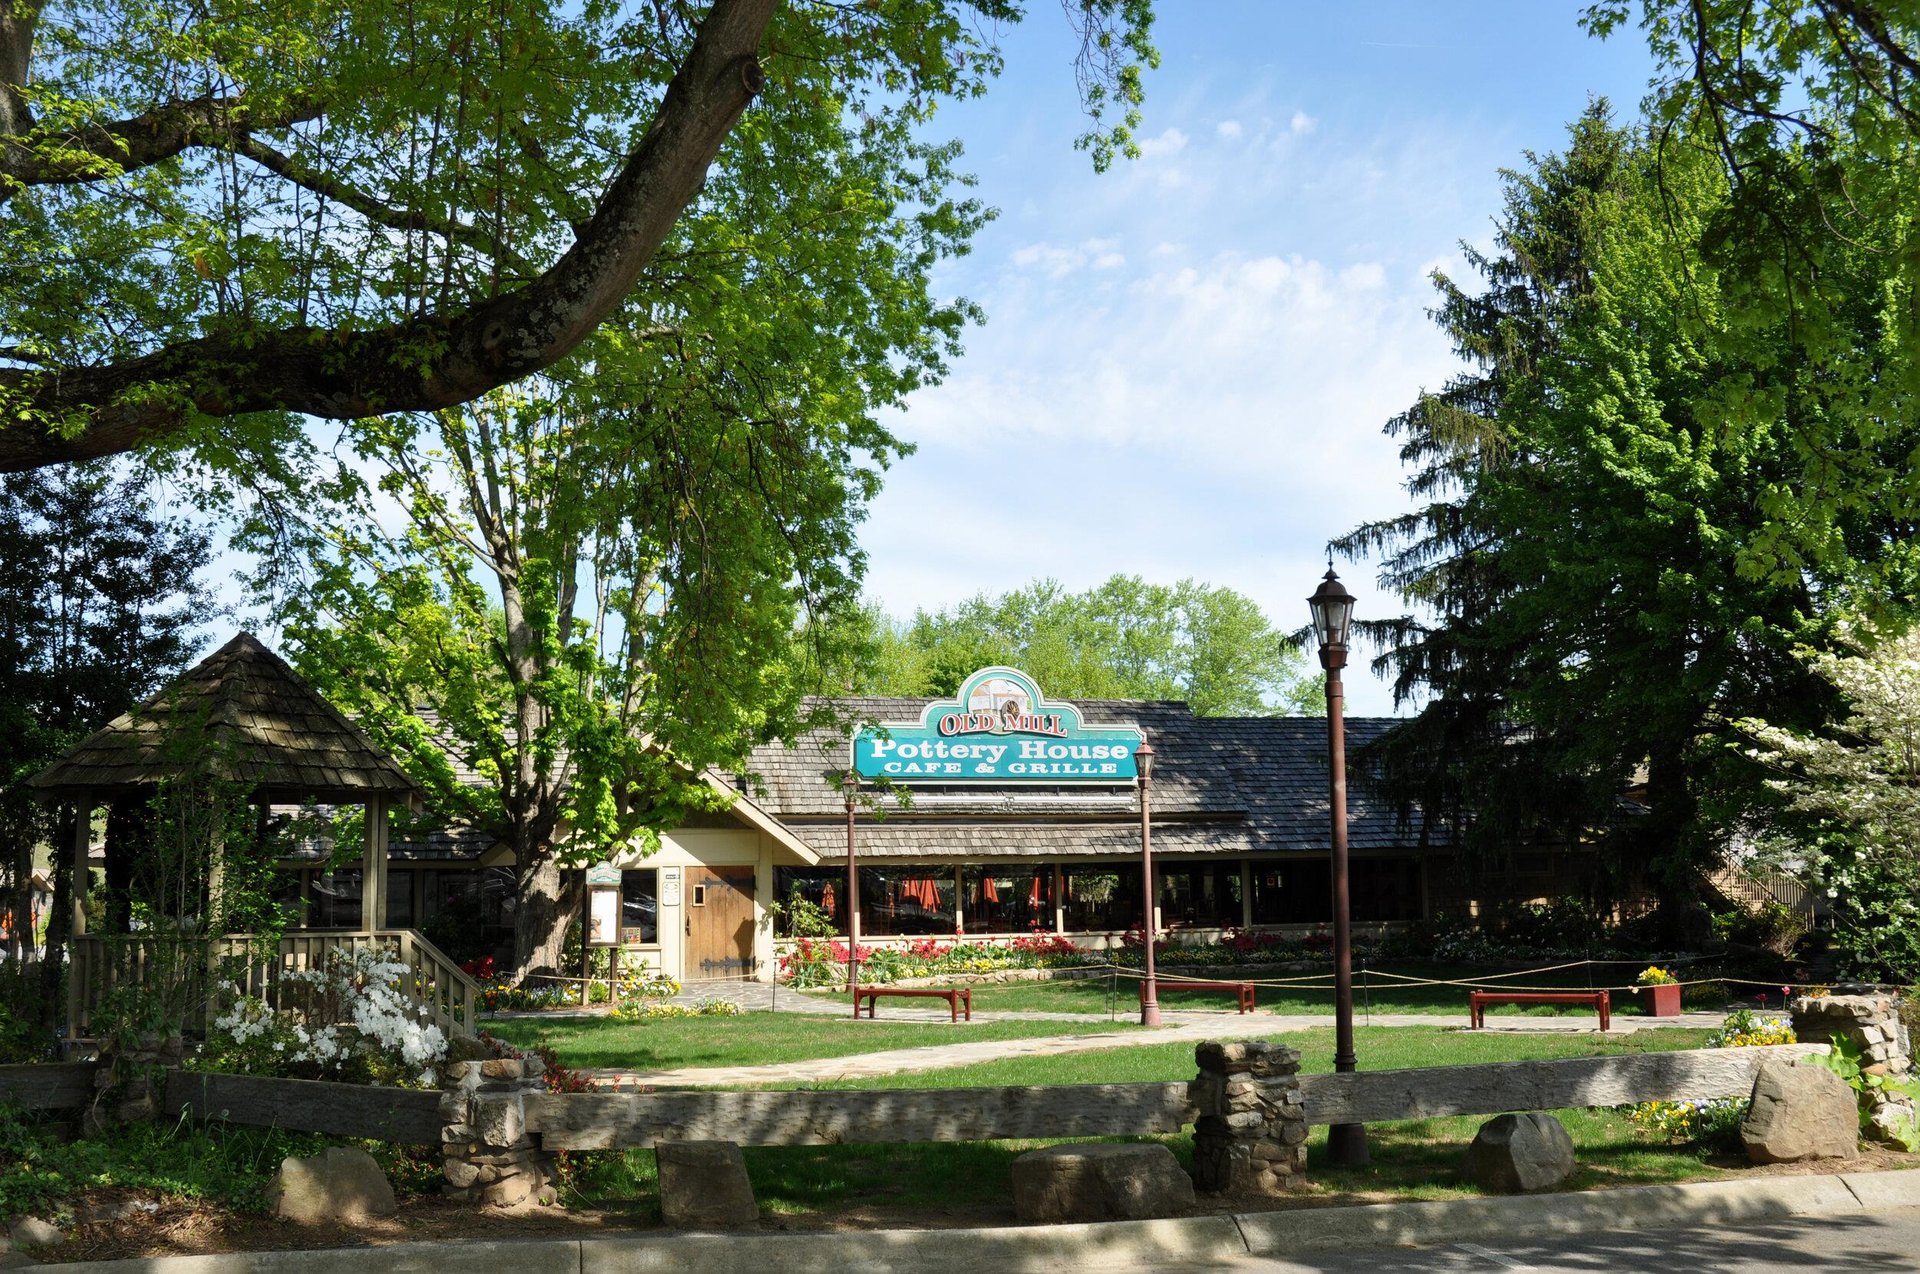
column 270, row 730
column 1221, row 786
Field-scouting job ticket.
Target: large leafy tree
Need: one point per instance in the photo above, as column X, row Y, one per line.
column 1123, row 639
column 1811, row 113
column 221, row 216
column 1589, row 553
column 591, row 578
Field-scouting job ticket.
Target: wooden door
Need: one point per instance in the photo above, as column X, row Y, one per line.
column 719, row 924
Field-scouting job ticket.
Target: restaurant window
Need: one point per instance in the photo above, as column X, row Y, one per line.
column 822, row 887
column 640, row 907
column 1385, row 888
column 1294, row 892
column 1008, row 898
column 1102, row 898
column 906, row 900
column 1200, row 895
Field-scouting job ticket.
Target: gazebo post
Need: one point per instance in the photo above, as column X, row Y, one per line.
column 82, row 851
column 373, row 866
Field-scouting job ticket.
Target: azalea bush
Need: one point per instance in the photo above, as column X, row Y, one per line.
column 823, row 961
column 350, row 1019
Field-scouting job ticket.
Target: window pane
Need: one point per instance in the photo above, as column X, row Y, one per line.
column 906, row 900
column 823, row 887
column 1101, row 898
column 640, row 907
column 1008, row 899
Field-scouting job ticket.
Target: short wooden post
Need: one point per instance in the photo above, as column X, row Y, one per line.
column 82, row 847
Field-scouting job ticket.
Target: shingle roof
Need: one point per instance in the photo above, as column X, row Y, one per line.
column 1221, row 785
column 266, row 728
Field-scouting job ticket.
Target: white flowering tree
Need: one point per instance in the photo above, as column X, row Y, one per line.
column 1850, row 818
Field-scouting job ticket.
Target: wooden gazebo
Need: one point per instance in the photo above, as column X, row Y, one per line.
column 266, row 730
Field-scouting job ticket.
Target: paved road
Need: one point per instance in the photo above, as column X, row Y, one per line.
column 1882, row 1240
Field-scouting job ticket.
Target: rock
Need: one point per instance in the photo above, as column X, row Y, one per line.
column 703, row 1185
column 31, row 1231
column 1892, row 1122
column 344, row 1184
column 1099, row 1183
column 1800, row 1112
column 1520, row 1154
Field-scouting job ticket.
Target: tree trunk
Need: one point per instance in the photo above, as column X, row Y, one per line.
column 59, row 924
column 1672, row 852
column 539, row 916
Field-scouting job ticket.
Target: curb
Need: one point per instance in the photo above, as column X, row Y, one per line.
column 1138, row 1244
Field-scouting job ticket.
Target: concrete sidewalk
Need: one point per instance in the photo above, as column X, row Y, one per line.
column 1134, row 1245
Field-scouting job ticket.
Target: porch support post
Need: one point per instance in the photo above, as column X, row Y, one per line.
column 82, row 847
column 373, row 866
column 1059, row 899
column 1246, row 893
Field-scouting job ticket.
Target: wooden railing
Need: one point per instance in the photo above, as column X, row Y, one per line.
column 183, row 970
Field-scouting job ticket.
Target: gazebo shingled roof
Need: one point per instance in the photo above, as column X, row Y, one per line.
column 277, row 735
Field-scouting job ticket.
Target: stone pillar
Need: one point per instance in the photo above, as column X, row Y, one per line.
column 128, row 1086
column 486, row 1152
column 1870, row 1023
column 1251, row 1137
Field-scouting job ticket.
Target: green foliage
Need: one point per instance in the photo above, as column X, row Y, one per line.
column 1124, row 639
column 1808, row 111
column 367, row 164
column 1589, row 530
column 40, row 1170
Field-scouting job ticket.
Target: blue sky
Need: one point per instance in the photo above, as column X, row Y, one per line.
column 1188, row 360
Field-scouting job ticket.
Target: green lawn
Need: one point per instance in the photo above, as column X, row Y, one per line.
column 754, row 1038
column 1372, row 991
column 1377, row 1048
column 972, row 1183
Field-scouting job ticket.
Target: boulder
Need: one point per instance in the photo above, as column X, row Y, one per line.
column 1100, row 1183
column 704, row 1186
column 1800, row 1112
column 1519, row 1154
column 32, row 1232
column 343, row 1184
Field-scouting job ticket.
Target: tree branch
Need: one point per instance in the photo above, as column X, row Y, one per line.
column 101, row 151
column 422, row 364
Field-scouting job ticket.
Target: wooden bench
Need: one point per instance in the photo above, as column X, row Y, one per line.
column 1477, row 1002
column 1243, row 989
column 957, row 998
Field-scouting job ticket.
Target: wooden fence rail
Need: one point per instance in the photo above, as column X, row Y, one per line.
column 408, row 1116
column 1495, row 1088
column 602, row 1121
column 811, row 1117
column 66, row 1086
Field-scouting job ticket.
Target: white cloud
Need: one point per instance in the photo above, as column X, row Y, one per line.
column 1057, row 261
column 1228, row 128
column 1302, row 123
column 1171, row 142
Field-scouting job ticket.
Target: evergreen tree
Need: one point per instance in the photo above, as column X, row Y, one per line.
column 1585, row 555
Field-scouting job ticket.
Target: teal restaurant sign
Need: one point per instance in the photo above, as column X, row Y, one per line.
column 998, row 729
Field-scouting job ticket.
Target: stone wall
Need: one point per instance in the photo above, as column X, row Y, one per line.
column 486, row 1152
column 1251, row 1135
column 1871, row 1023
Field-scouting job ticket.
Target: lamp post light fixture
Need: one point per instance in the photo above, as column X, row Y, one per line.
column 852, row 904
column 1332, row 607
column 1149, row 989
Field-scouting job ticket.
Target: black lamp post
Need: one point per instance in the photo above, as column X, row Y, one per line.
column 853, row 903
column 1150, row 989
column 1332, row 607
